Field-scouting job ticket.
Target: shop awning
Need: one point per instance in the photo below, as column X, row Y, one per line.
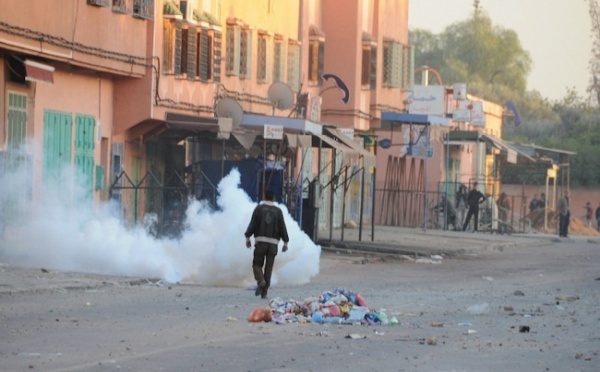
column 390, row 118
column 252, row 121
column 369, row 159
column 329, row 142
column 461, row 137
column 194, row 124
column 39, row 72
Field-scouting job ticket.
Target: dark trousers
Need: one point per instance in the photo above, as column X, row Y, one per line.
column 475, row 213
column 264, row 255
column 563, row 224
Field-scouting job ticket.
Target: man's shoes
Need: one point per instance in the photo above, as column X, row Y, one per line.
column 260, row 287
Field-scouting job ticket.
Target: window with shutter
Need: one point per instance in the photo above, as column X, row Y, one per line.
column 373, row 81
column 313, row 61
column 168, row 46
column 365, row 80
column 192, row 53
column 205, row 56
column 177, row 59
column 216, row 55
column 184, row 51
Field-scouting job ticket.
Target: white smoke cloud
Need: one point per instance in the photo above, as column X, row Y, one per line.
column 61, row 230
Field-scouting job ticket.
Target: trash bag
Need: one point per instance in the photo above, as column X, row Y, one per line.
column 260, row 314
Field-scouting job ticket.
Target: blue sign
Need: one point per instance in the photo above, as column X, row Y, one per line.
column 385, row 143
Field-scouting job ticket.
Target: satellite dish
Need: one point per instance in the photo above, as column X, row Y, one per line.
column 230, row 108
column 281, row 95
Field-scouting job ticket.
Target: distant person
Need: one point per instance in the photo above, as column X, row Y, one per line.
column 541, row 204
column 564, row 215
column 589, row 213
column 533, row 203
column 474, row 198
column 503, row 209
column 267, row 226
column 598, row 217
column 448, row 210
column 461, row 204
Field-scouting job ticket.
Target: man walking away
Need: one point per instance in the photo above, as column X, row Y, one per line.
column 474, row 198
column 267, row 226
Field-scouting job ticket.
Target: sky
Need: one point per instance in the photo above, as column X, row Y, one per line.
column 57, row 233
column 556, row 33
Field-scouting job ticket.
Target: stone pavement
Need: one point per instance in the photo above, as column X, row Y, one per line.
column 388, row 240
column 416, row 241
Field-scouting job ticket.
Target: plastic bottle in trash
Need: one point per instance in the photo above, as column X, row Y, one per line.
column 394, row 321
column 383, row 317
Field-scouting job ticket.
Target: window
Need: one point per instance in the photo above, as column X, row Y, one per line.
column 293, row 66
column 408, row 66
column 192, row 52
column 232, row 52
column 16, row 129
column 278, row 59
column 246, row 54
column 392, row 64
column 183, row 53
column 264, row 53
column 119, row 6
column 209, row 55
column 316, row 52
column 365, row 79
column 98, row 2
column 143, row 9
column 168, row 46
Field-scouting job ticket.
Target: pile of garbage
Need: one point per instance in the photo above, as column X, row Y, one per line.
column 332, row 307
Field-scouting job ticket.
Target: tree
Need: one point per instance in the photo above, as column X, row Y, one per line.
column 475, row 51
column 594, row 65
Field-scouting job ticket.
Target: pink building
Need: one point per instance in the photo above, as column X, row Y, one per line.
column 144, row 97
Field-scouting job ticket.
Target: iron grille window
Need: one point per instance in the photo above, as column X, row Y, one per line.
column 392, row 64
column 119, row 6
column 262, row 69
column 232, row 52
column 98, row 2
column 293, row 65
column 143, row 9
column 408, row 65
column 246, row 54
column 278, row 60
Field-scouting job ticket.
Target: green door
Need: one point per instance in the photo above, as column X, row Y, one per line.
column 84, row 151
column 57, row 144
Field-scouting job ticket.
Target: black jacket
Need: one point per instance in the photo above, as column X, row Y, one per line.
column 267, row 224
column 474, row 198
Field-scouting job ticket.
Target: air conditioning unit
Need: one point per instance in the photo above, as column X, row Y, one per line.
column 187, row 9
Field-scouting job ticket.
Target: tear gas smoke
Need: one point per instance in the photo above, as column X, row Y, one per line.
column 57, row 228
